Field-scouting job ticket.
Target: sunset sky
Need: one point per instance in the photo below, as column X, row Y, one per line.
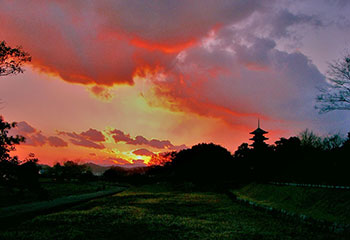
column 113, row 82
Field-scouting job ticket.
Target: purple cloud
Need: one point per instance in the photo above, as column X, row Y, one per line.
column 86, row 139
column 56, row 142
column 93, row 135
column 120, row 136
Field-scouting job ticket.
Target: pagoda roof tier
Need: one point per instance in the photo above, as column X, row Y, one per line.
column 258, row 131
column 260, row 138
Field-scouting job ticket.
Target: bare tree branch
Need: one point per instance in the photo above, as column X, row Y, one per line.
column 336, row 96
column 12, row 59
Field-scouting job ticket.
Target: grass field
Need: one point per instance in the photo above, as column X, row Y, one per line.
column 54, row 190
column 325, row 204
column 160, row 212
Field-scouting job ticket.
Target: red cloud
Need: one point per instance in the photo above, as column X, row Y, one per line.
column 118, row 161
column 139, row 140
column 110, row 161
column 105, row 42
column 143, row 152
column 120, row 136
column 137, row 163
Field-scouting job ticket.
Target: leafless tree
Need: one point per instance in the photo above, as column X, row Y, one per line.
column 336, row 96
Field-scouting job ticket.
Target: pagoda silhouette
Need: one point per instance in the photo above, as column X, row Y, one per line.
column 258, row 138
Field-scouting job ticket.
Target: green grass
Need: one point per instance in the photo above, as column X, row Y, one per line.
column 324, row 204
column 57, row 190
column 34, row 208
column 160, row 212
column 54, row 189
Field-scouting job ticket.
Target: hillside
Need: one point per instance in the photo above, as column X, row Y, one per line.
column 324, row 204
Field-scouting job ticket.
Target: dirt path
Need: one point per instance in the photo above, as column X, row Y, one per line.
column 28, row 210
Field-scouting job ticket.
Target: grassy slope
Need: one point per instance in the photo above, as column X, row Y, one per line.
column 55, row 190
column 158, row 212
column 326, row 204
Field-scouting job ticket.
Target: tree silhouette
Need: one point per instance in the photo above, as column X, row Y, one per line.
column 203, row 163
column 12, row 59
column 337, row 95
column 69, row 170
column 7, row 144
column 28, row 173
column 242, row 151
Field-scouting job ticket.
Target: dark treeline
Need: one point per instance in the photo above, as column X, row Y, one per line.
column 20, row 174
column 68, row 171
column 21, row 177
column 306, row 158
column 15, row 173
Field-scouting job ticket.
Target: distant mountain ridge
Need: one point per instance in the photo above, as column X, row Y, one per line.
column 97, row 170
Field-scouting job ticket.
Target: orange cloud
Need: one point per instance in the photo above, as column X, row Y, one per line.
column 166, row 48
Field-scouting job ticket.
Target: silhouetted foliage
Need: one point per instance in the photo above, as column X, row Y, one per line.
column 332, row 142
column 243, row 163
column 337, row 95
column 287, row 158
column 12, row 59
column 309, row 158
column 242, row 151
column 70, row 170
column 13, row 172
column 136, row 175
column 310, row 140
column 28, row 173
column 115, row 174
column 8, row 163
column 306, row 158
column 203, row 163
column 347, row 141
column 88, row 176
column 7, row 142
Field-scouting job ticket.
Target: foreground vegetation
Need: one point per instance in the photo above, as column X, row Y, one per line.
column 20, row 212
column 325, row 204
column 162, row 212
